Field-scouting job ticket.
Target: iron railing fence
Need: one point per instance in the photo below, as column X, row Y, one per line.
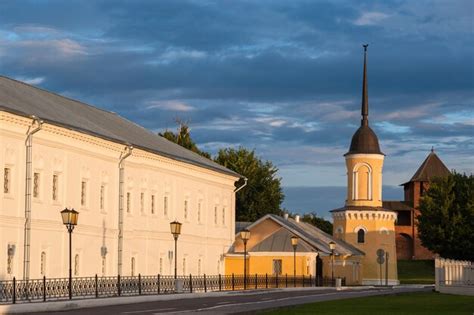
column 46, row 289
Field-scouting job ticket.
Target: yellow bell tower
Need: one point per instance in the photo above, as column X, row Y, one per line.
column 363, row 222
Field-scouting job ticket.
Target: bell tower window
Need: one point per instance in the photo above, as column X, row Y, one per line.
column 362, row 182
column 361, row 236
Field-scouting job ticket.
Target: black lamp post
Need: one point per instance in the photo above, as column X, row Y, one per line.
column 70, row 221
column 332, row 246
column 245, row 236
column 294, row 243
column 176, row 231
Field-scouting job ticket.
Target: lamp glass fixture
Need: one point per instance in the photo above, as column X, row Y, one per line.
column 175, row 228
column 245, row 235
column 332, row 245
column 294, row 240
column 70, row 217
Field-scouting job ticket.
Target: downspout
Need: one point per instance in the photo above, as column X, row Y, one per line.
column 32, row 129
column 125, row 154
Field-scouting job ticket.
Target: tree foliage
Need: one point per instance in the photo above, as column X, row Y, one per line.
column 318, row 222
column 183, row 138
column 446, row 220
column 263, row 193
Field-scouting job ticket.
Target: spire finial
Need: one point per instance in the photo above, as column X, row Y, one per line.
column 365, row 95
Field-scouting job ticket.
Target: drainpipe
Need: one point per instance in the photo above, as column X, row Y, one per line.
column 32, row 129
column 245, row 184
column 125, row 154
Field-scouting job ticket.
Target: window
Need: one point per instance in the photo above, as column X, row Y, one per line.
column 76, row 265
column 165, row 206
column 199, row 212
column 184, row 266
column 152, row 204
column 104, row 264
column 186, row 209
column 161, row 265
column 215, row 215
column 36, row 185
column 142, row 202
column 361, row 236
column 102, row 197
column 83, row 193
column 132, row 266
column 199, row 266
column 43, row 264
column 55, row 187
column 403, row 218
column 277, row 267
column 218, row 267
column 128, row 202
column 223, row 216
column 6, row 180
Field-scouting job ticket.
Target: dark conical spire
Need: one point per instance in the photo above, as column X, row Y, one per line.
column 365, row 95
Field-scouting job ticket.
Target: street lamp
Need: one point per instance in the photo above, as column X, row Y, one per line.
column 176, row 231
column 294, row 243
column 70, row 221
column 245, row 236
column 332, row 246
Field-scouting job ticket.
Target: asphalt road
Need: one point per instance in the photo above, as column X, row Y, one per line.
column 238, row 302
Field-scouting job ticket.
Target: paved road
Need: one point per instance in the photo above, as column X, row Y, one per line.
column 244, row 303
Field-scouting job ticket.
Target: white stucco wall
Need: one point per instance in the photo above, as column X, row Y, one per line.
column 78, row 157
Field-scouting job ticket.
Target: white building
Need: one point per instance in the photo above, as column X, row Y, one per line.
column 73, row 162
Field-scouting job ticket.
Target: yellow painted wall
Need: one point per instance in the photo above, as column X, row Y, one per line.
column 264, row 265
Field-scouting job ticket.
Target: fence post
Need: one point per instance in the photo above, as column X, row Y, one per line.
column 158, row 283
column 310, row 282
column 44, row 288
column 96, row 287
column 303, row 281
column 256, row 281
column 14, row 290
column 266, row 281
column 233, row 284
column 118, row 285
column 139, row 284
column 276, row 280
column 220, row 282
column 286, row 280
column 205, row 284
column 190, row 283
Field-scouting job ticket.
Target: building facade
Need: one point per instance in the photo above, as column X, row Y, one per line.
column 363, row 222
column 77, row 156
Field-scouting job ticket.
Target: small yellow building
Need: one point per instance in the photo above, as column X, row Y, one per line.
column 269, row 251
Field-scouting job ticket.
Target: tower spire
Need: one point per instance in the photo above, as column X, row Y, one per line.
column 365, row 95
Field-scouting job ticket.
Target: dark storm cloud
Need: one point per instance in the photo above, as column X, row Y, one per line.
column 266, row 74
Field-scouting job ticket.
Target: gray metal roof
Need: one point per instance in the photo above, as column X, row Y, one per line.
column 26, row 100
column 280, row 241
column 313, row 236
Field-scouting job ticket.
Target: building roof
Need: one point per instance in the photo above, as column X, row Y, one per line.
column 364, row 139
column 430, row 168
column 240, row 225
column 280, row 241
column 312, row 236
column 22, row 99
column 396, row 205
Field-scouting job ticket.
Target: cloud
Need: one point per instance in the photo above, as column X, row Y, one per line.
column 32, row 81
column 170, row 105
column 370, row 18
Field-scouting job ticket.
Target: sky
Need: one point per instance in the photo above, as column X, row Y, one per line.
column 281, row 77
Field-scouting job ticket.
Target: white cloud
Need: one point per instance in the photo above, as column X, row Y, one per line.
column 170, row 105
column 32, row 81
column 370, row 18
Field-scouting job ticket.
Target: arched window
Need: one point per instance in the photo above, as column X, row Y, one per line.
column 76, row 265
column 362, row 182
column 132, row 265
column 361, row 236
column 43, row 263
column 199, row 266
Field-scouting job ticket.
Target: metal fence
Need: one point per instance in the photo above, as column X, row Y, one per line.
column 37, row 290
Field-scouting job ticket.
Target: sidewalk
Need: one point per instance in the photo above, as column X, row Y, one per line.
column 66, row 305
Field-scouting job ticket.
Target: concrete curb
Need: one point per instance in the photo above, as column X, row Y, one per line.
column 67, row 305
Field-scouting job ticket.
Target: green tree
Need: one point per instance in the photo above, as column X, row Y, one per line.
column 263, row 193
column 446, row 220
column 318, row 222
column 183, row 138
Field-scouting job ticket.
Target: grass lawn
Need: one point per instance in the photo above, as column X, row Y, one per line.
column 416, row 271
column 430, row 303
